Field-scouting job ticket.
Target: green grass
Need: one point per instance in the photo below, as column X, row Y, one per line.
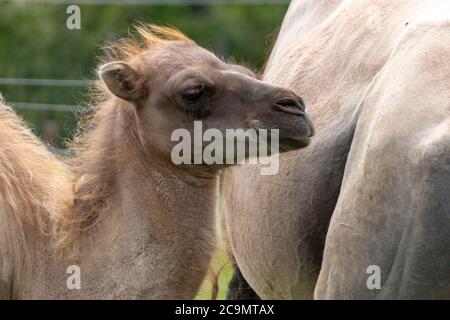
column 221, row 268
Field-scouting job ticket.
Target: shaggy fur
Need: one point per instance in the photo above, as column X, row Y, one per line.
column 137, row 225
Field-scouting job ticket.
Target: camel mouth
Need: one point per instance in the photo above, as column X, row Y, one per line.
column 289, row 143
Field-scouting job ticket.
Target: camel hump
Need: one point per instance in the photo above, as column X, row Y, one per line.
column 33, row 182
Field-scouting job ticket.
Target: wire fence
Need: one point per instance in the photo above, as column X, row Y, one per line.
column 152, row 2
column 45, row 106
column 45, row 83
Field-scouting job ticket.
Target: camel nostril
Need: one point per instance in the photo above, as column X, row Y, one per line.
column 292, row 105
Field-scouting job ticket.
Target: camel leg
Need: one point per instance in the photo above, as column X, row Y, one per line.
column 239, row 289
column 401, row 230
column 389, row 236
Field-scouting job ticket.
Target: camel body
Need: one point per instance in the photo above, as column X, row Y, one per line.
column 372, row 189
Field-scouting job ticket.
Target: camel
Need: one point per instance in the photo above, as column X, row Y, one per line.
column 370, row 196
column 121, row 220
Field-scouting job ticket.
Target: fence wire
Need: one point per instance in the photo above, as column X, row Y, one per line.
column 152, row 2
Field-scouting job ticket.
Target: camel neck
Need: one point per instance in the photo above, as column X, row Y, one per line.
column 152, row 237
column 156, row 234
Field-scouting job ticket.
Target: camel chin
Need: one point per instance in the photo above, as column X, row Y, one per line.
column 291, row 144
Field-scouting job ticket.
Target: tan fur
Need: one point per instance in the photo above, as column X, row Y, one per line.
column 93, row 186
column 31, row 176
column 29, row 188
column 137, row 225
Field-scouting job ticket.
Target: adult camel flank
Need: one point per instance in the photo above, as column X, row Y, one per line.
column 137, row 225
column 373, row 188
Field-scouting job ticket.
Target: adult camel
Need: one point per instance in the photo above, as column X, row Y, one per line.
column 369, row 198
column 127, row 221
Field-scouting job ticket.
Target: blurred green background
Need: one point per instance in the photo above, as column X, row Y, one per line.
column 36, row 44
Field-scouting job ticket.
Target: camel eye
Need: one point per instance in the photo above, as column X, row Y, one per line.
column 195, row 98
column 193, row 94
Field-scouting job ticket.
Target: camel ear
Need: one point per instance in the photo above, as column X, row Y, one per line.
column 122, row 80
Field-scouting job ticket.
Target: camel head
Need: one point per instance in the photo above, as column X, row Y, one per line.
column 172, row 83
